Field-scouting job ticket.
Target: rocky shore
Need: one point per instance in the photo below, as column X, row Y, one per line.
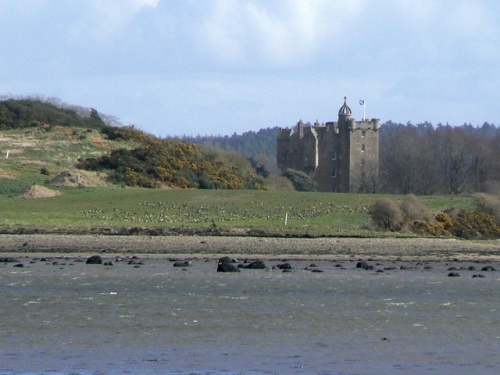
column 421, row 248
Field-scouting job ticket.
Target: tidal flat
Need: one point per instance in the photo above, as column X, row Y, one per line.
column 326, row 315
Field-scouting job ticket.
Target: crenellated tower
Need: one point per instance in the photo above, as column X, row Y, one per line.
column 340, row 156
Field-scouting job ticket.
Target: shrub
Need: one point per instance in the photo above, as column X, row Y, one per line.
column 176, row 164
column 45, row 171
column 471, row 224
column 489, row 204
column 413, row 209
column 434, row 228
column 386, row 214
column 280, row 183
column 300, row 180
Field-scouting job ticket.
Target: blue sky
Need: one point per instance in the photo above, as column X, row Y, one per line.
column 174, row 67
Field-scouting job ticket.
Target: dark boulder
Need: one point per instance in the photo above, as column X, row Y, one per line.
column 453, row 274
column 19, row 265
column 364, row 265
column 488, row 268
column 227, row 260
column 8, row 260
column 108, row 263
column 481, row 276
column 94, row 259
column 134, row 262
column 227, row 267
column 284, row 266
column 256, row 265
column 185, row 263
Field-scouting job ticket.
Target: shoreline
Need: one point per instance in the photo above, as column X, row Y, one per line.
column 263, row 247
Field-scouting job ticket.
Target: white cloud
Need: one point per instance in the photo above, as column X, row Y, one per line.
column 275, row 34
column 103, row 20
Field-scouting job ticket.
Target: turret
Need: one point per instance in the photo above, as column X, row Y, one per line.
column 345, row 111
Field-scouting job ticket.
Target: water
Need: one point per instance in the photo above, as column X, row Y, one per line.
column 72, row 318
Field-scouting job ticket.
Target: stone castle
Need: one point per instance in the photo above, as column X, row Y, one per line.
column 340, row 156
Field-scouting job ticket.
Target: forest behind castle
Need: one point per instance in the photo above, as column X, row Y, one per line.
column 421, row 159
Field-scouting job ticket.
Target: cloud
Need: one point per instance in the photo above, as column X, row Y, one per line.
column 101, row 20
column 275, row 34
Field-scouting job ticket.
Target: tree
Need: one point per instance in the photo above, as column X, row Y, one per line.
column 407, row 162
column 452, row 158
column 482, row 161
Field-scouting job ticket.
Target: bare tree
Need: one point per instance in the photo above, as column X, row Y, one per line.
column 407, row 162
column 482, row 161
column 453, row 158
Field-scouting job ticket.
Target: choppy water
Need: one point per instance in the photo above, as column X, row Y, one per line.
column 72, row 318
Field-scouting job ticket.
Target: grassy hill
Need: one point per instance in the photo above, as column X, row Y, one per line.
column 40, row 140
column 27, row 152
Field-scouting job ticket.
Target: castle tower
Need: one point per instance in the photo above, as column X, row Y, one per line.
column 346, row 124
column 340, row 156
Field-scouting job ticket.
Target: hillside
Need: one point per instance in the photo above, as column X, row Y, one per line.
column 29, row 113
column 42, row 143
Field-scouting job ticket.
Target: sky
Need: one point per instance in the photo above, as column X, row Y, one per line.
column 219, row 67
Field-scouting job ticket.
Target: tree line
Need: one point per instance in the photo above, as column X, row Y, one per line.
column 422, row 159
column 417, row 159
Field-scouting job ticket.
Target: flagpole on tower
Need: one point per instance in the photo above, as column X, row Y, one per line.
column 362, row 102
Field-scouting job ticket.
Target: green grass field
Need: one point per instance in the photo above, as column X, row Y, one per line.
column 105, row 206
column 329, row 214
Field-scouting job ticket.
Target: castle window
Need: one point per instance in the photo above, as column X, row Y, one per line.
column 334, row 155
column 363, row 148
column 334, row 172
column 363, row 133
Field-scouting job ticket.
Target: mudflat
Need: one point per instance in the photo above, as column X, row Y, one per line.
column 398, row 310
column 422, row 248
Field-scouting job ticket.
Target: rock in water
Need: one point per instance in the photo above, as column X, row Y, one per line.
column 364, row 265
column 94, row 259
column 488, row 268
column 256, row 265
column 185, row 263
column 227, row 260
column 227, row 267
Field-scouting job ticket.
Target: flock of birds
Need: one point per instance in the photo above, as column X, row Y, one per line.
column 190, row 213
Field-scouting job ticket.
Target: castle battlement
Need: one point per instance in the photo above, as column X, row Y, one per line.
column 340, row 156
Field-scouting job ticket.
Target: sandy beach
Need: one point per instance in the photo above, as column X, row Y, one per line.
column 422, row 248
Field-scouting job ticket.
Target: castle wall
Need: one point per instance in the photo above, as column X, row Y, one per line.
column 340, row 157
